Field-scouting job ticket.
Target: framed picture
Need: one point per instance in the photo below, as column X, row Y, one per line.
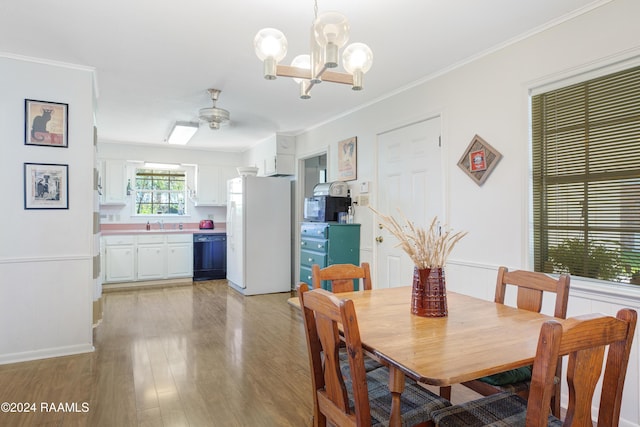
column 46, row 186
column 348, row 159
column 46, row 123
column 479, row 159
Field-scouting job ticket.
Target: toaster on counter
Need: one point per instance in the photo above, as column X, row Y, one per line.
column 206, row 224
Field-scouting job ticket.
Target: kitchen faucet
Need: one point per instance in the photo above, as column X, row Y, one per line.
column 161, row 225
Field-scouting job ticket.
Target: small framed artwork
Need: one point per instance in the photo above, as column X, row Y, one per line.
column 46, row 186
column 46, row 123
column 479, row 159
column 348, row 159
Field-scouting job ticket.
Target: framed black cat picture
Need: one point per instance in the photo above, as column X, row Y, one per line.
column 46, row 123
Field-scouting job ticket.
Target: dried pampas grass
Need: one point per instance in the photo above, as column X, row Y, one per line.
column 426, row 248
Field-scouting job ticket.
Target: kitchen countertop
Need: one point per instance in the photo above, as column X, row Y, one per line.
column 122, row 229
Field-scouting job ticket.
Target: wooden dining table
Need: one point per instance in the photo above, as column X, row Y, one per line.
column 476, row 338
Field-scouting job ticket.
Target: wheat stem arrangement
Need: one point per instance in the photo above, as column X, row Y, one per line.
column 427, row 248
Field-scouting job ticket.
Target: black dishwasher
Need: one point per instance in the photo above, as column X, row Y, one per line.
column 209, row 256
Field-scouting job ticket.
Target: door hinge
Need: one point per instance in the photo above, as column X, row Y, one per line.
column 440, row 141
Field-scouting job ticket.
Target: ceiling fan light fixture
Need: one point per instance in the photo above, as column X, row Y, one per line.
column 213, row 115
column 182, row 132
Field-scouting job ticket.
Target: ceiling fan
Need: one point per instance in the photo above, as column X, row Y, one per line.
column 213, row 115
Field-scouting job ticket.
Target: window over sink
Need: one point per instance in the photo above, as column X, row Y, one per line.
column 160, row 191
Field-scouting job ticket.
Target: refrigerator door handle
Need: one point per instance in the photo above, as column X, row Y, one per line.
column 230, row 214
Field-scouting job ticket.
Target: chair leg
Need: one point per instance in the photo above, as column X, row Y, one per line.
column 555, row 398
column 555, row 402
column 445, row 392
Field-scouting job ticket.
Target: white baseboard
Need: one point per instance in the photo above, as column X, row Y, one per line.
column 45, row 353
column 109, row 287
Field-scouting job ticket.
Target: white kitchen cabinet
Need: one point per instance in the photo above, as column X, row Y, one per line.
column 179, row 255
column 226, row 173
column 211, row 184
column 274, row 156
column 130, row 258
column 152, row 254
column 114, row 182
column 280, row 158
column 119, row 258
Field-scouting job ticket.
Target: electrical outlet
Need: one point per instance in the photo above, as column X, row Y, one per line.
column 363, row 200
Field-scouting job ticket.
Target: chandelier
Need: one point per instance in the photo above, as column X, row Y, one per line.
column 329, row 33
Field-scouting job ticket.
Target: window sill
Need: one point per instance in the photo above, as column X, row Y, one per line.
column 619, row 293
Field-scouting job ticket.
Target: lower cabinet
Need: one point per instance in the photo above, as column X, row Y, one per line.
column 148, row 257
column 120, row 252
column 179, row 256
column 327, row 243
column 152, row 257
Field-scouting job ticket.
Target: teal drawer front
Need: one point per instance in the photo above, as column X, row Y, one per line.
column 313, row 244
column 314, row 230
column 305, row 275
column 308, row 258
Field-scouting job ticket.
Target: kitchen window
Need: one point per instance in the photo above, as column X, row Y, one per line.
column 160, row 192
column 586, row 178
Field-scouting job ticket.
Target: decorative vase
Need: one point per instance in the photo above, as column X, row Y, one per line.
column 429, row 293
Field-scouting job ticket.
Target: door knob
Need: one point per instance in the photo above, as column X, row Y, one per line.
column 379, row 239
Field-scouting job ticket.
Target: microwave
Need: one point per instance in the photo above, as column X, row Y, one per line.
column 325, row 208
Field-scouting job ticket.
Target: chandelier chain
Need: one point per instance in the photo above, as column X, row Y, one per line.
column 315, row 9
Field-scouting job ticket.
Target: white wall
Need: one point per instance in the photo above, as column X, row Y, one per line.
column 140, row 152
column 490, row 97
column 46, row 256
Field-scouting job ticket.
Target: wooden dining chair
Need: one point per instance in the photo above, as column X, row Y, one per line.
column 342, row 277
column 350, row 396
column 583, row 339
column 531, row 287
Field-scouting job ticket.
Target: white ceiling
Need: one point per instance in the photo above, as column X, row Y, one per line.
column 154, row 60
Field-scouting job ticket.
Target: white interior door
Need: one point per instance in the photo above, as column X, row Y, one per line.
column 409, row 180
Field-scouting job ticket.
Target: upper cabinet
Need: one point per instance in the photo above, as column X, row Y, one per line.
column 280, row 156
column 211, row 184
column 274, row 156
column 113, row 182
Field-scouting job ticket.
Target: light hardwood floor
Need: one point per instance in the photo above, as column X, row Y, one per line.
column 199, row 355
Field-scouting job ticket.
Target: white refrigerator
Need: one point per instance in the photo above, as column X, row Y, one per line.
column 259, row 234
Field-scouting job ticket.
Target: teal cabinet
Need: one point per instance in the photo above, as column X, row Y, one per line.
column 327, row 243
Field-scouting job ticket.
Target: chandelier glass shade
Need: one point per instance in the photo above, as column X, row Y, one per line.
column 329, row 33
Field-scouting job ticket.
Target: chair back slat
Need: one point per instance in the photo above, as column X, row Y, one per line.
column 582, row 384
column 529, row 299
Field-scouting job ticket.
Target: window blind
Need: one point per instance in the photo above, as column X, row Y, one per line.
column 586, row 178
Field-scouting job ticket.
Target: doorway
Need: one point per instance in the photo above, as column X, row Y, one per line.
column 315, row 172
column 409, row 172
